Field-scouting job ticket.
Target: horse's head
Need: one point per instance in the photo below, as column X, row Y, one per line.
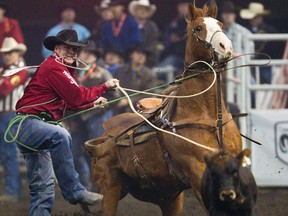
column 223, row 169
column 205, row 37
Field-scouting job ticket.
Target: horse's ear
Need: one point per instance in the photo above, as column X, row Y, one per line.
column 191, row 11
column 212, row 8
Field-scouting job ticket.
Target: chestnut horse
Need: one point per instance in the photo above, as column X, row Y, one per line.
column 116, row 174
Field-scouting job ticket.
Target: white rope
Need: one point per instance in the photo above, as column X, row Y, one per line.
column 16, row 70
column 160, row 129
column 57, row 59
column 181, row 96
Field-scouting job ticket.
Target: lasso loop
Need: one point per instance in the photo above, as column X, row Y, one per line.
column 57, row 59
column 180, row 96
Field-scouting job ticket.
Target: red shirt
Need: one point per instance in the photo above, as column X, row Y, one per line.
column 53, row 89
column 10, row 28
column 7, row 85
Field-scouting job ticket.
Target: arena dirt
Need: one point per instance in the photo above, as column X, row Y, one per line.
column 271, row 202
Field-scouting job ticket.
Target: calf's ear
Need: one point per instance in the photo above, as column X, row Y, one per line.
column 207, row 159
column 244, row 157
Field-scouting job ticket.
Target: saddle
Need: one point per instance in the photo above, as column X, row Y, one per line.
column 119, row 128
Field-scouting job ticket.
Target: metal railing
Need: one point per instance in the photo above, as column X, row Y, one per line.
column 240, row 92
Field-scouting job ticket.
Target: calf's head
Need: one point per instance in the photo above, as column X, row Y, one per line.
column 223, row 168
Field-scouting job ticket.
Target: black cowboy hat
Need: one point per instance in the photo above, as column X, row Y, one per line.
column 115, row 50
column 117, row 2
column 66, row 36
column 139, row 48
column 229, row 7
column 92, row 48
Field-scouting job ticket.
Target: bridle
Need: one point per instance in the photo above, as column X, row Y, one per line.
column 206, row 44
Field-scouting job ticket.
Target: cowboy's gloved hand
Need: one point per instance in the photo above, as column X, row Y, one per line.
column 112, row 83
column 100, row 100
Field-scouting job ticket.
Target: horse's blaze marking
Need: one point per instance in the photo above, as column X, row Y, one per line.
column 212, row 25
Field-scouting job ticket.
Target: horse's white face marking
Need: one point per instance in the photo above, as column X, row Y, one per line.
column 220, row 42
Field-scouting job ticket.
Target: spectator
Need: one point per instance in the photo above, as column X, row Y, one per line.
column 105, row 14
column 67, row 15
column 234, row 31
column 113, row 59
column 88, row 125
column 122, row 32
column 9, row 27
column 142, row 11
column 135, row 75
column 255, row 13
column 174, row 38
column 10, row 91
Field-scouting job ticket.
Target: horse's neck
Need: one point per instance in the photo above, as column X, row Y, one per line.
column 204, row 105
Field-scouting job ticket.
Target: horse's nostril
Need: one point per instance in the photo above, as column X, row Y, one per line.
column 222, row 46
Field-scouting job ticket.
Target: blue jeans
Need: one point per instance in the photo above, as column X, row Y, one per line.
column 9, row 160
column 86, row 130
column 55, row 141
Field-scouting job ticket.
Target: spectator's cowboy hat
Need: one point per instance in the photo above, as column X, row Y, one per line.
column 229, row 7
column 114, row 50
column 10, row 44
column 117, row 2
column 254, row 9
column 92, row 48
column 145, row 3
column 66, row 36
column 104, row 4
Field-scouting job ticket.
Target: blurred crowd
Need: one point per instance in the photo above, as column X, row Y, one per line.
column 126, row 44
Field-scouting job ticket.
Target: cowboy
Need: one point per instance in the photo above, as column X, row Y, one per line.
column 142, row 11
column 234, row 31
column 11, row 89
column 50, row 92
column 105, row 14
column 113, row 59
column 255, row 13
column 140, row 76
column 122, row 31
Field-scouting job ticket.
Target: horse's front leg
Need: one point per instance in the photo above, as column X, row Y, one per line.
column 173, row 207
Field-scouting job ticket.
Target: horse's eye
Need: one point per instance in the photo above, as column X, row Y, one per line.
column 198, row 28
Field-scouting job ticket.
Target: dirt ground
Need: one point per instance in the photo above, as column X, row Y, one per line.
column 271, row 202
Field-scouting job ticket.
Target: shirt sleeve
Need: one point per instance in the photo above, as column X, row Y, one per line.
column 66, row 87
column 10, row 83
